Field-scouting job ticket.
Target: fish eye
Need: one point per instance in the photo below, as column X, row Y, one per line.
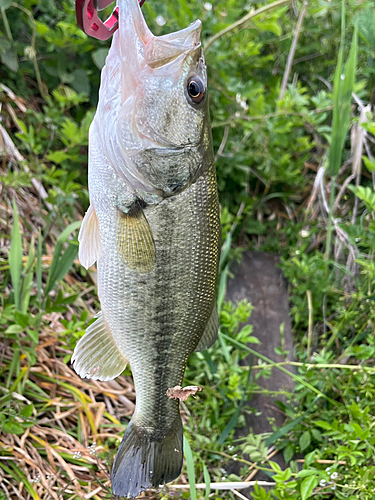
column 195, row 89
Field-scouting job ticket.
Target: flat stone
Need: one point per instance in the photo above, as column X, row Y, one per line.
column 258, row 280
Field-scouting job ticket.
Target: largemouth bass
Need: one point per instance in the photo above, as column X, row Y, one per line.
column 153, row 228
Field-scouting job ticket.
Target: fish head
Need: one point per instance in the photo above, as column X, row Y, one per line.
column 170, row 102
column 157, row 109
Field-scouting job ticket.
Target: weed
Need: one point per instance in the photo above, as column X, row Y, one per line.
column 291, row 181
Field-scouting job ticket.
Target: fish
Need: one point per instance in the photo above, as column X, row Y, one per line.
column 153, row 228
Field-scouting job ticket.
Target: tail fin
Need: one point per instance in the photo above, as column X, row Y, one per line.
column 146, row 460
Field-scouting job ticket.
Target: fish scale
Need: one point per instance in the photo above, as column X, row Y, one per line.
column 158, row 315
column 153, row 228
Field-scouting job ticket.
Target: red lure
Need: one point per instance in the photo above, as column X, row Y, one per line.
column 89, row 21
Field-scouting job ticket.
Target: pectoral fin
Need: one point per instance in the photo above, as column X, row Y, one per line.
column 89, row 239
column 210, row 334
column 135, row 241
column 96, row 355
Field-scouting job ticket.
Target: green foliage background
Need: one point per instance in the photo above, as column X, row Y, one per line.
column 273, row 159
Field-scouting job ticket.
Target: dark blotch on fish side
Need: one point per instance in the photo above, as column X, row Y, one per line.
column 139, row 203
column 175, row 186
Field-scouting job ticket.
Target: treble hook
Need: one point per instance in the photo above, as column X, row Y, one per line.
column 89, row 21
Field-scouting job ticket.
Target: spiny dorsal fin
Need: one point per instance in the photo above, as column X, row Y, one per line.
column 90, row 246
column 210, row 333
column 96, row 354
column 135, row 241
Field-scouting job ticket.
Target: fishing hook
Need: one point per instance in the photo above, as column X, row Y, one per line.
column 89, row 21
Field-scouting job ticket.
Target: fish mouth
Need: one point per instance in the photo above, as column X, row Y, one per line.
column 137, row 110
column 140, row 48
column 134, row 31
column 165, row 49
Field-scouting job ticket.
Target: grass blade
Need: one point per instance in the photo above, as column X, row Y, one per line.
column 39, row 270
column 209, row 361
column 61, row 264
column 14, row 364
column 190, row 469
column 68, row 231
column 31, row 258
column 20, row 477
column 15, row 258
column 25, row 292
column 234, row 418
column 297, row 378
column 225, row 251
column 288, row 427
column 65, row 263
column 230, row 425
column 80, row 396
column 342, row 98
column 224, row 348
column 207, row 481
column 222, row 287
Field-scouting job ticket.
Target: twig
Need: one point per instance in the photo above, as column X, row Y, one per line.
column 315, row 190
column 340, row 462
column 296, row 378
column 239, row 495
column 93, row 493
column 309, row 366
column 254, row 470
column 9, row 148
column 222, row 486
column 236, row 459
column 370, row 157
column 239, row 213
column 33, row 53
column 309, row 335
column 306, row 58
column 243, row 141
column 17, row 100
column 333, row 222
column 243, row 21
column 6, row 24
column 292, row 51
column 7, row 145
column 347, row 181
column 223, row 142
column 357, row 139
column 270, row 115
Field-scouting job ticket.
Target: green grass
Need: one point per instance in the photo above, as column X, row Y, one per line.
column 58, row 433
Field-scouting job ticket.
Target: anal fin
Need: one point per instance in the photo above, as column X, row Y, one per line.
column 210, row 333
column 135, row 241
column 96, row 354
column 89, row 239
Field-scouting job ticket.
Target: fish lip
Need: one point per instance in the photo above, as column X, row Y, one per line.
column 131, row 16
column 189, row 36
column 141, row 50
column 142, row 46
column 165, row 49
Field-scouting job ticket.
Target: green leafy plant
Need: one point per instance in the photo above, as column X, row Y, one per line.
column 270, row 154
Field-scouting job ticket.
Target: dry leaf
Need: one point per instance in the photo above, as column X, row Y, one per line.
column 183, row 393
